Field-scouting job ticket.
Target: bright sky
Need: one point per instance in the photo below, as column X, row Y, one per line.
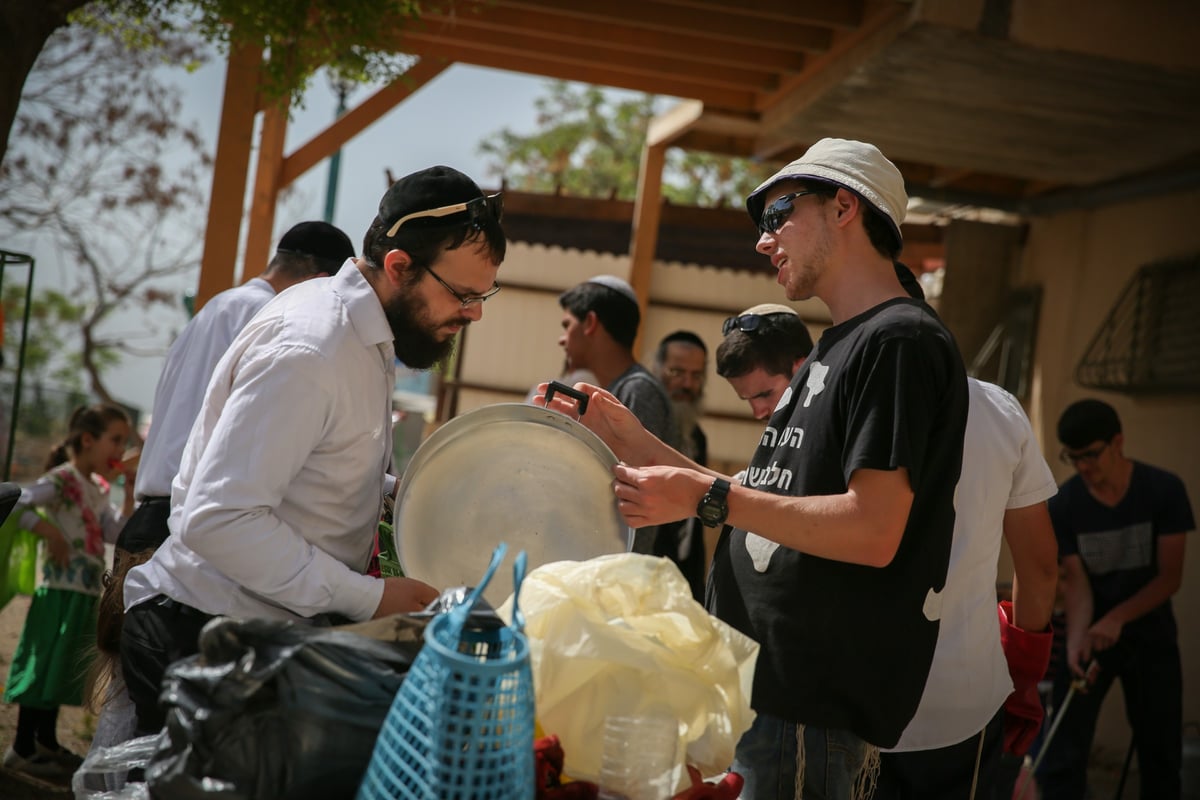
column 442, row 123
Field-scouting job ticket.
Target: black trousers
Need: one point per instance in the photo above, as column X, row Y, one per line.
column 1152, row 682
column 156, row 633
column 946, row 773
column 146, row 527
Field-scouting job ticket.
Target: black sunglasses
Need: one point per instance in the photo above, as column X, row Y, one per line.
column 747, row 323
column 478, row 209
column 774, row 215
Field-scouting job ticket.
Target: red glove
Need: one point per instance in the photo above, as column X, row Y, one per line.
column 1028, row 655
column 728, row 788
column 548, row 765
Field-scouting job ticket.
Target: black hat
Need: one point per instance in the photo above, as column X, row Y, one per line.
column 319, row 240
column 425, row 190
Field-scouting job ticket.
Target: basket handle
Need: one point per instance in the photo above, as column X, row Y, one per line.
column 459, row 614
column 518, row 616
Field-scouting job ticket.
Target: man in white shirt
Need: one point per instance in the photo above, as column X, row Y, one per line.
column 980, row 697
column 274, row 509
column 308, row 250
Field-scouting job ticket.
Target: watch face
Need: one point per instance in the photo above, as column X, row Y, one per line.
column 712, row 511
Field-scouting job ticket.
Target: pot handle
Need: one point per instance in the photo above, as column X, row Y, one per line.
column 569, row 391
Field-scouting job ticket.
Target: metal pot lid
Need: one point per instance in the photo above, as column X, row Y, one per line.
column 511, row 472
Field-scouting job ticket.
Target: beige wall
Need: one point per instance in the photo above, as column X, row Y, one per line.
column 1083, row 260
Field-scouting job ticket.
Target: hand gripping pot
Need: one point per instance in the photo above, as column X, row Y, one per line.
column 530, row 476
column 461, row 726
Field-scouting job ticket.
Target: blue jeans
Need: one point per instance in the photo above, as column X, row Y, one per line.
column 766, row 759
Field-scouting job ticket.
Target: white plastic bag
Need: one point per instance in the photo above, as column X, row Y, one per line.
column 621, row 636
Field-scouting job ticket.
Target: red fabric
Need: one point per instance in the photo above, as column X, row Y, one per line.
column 1028, row 655
column 728, row 788
column 548, row 766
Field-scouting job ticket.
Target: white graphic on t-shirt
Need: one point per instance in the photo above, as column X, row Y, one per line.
column 760, row 550
column 816, row 381
column 1131, row 547
column 933, row 605
column 769, row 437
column 784, row 399
column 770, row 475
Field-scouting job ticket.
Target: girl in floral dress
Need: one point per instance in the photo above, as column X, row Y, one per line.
column 74, row 519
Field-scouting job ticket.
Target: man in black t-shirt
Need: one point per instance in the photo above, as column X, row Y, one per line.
column 1120, row 526
column 840, row 536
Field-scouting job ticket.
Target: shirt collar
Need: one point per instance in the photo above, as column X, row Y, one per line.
column 362, row 305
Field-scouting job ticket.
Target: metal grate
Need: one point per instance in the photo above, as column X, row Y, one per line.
column 1150, row 341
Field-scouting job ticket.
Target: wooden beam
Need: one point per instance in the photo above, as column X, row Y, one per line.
column 644, row 239
column 883, row 23
column 611, row 54
column 534, row 64
column 823, row 13
column 729, row 24
column 499, row 21
column 234, row 140
column 354, row 121
column 266, row 189
column 688, row 121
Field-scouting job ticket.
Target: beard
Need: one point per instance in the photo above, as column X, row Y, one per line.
column 414, row 335
column 687, row 415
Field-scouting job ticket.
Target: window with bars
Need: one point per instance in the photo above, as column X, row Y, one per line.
column 1150, row 341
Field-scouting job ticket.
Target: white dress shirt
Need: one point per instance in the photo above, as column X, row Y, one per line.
column 274, row 509
column 184, row 378
column 1002, row 468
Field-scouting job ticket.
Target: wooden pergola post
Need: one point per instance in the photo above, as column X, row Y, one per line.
column 266, row 188
column 647, row 209
column 229, row 173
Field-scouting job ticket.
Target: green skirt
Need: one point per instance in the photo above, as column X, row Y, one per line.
column 56, row 648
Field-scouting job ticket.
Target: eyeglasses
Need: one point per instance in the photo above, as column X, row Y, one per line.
column 1088, row 456
column 479, row 208
column 467, row 300
column 747, row 323
column 776, row 214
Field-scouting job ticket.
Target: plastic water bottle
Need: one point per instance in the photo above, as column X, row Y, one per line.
column 640, row 757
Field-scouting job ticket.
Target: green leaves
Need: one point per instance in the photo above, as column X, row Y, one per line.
column 589, row 143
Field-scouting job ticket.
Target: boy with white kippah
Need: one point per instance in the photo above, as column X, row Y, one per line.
column 599, row 326
column 835, row 558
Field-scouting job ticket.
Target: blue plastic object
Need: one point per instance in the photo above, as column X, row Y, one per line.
column 461, row 726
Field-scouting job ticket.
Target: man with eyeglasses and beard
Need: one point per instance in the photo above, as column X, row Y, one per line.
column 681, row 365
column 1121, row 528
column 839, row 538
column 274, row 509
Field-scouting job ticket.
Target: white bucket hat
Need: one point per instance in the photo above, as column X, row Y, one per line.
column 857, row 166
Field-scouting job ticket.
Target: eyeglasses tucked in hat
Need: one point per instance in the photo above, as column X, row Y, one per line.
column 748, row 323
column 491, row 206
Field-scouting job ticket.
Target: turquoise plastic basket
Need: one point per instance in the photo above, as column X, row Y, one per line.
column 461, row 726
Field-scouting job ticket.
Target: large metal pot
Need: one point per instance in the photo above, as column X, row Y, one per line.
column 511, row 472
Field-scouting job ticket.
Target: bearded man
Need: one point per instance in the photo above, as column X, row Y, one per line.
column 274, row 509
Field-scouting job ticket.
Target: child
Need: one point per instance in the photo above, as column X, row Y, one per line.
column 76, row 519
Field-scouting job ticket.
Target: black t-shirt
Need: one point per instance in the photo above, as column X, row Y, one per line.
column 847, row 646
column 1118, row 545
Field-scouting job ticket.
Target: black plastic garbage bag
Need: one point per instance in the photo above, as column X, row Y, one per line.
column 271, row 710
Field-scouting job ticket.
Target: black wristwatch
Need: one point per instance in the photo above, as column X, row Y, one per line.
column 713, row 508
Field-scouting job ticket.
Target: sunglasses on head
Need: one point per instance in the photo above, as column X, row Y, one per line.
column 746, row 323
column 478, row 210
column 777, row 213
